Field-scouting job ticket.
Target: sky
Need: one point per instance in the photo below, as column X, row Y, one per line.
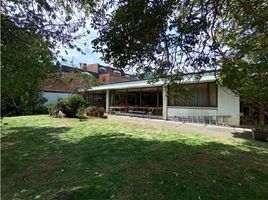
column 78, row 57
column 90, row 57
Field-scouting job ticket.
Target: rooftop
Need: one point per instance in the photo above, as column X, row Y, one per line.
column 187, row 78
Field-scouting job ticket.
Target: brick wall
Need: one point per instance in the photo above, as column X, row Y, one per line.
column 67, row 82
column 113, row 78
column 92, row 68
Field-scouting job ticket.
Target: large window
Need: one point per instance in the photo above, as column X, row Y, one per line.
column 95, row 98
column 142, row 97
column 134, row 97
column 118, row 98
column 151, row 97
column 194, row 95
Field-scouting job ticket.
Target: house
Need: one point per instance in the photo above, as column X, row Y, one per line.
column 208, row 102
column 106, row 74
column 62, row 83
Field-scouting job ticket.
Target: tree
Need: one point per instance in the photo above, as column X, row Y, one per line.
column 60, row 22
column 173, row 37
column 247, row 75
column 245, row 67
column 25, row 62
column 31, row 32
column 82, row 82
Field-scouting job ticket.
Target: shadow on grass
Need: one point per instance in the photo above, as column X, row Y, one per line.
column 244, row 135
column 38, row 164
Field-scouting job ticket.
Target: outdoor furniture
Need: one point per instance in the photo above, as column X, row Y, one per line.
column 117, row 110
column 135, row 111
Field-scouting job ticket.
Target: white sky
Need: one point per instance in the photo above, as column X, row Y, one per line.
column 77, row 57
column 90, row 57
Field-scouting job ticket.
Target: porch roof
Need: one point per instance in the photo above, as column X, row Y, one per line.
column 144, row 83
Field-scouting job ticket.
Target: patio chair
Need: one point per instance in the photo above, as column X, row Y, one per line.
column 130, row 111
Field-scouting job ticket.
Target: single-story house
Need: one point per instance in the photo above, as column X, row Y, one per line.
column 208, row 102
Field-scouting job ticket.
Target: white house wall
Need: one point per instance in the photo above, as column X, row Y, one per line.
column 189, row 111
column 52, row 97
column 229, row 104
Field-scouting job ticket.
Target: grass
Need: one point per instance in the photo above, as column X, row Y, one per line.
column 48, row 158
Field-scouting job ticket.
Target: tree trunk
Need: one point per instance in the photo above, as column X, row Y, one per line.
column 261, row 114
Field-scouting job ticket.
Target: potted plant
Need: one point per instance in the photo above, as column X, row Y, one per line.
column 95, row 111
column 89, row 111
column 101, row 112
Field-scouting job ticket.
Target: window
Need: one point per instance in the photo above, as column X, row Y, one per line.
column 146, row 97
column 96, row 98
column 133, row 98
column 198, row 95
column 118, row 98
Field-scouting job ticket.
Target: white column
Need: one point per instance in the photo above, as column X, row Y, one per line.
column 164, row 92
column 107, row 100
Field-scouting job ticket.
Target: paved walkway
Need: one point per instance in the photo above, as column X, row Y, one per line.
column 211, row 130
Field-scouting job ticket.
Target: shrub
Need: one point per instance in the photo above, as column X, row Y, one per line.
column 52, row 110
column 81, row 113
column 62, row 104
column 29, row 103
column 74, row 103
column 69, row 106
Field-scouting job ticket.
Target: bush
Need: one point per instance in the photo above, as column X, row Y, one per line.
column 74, row 103
column 29, row 103
column 62, row 104
column 81, row 113
column 52, row 110
column 69, row 106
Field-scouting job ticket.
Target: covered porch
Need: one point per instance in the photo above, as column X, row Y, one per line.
column 146, row 102
column 206, row 102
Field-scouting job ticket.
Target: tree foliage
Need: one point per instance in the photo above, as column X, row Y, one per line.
column 31, row 32
column 190, row 35
column 60, row 22
column 25, row 62
column 172, row 37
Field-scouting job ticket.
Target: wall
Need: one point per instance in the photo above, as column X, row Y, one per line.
column 113, row 78
column 228, row 105
column 52, row 97
column 65, row 82
column 92, row 68
column 190, row 111
column 104, row 78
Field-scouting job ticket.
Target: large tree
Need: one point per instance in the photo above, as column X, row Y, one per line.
column 61, row 22
column 31, row 33
column 171, row 37
column 25, row 62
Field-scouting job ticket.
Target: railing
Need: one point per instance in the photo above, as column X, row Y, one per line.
column 214, row 119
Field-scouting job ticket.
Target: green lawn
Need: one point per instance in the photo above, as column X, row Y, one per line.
column 48, row 158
